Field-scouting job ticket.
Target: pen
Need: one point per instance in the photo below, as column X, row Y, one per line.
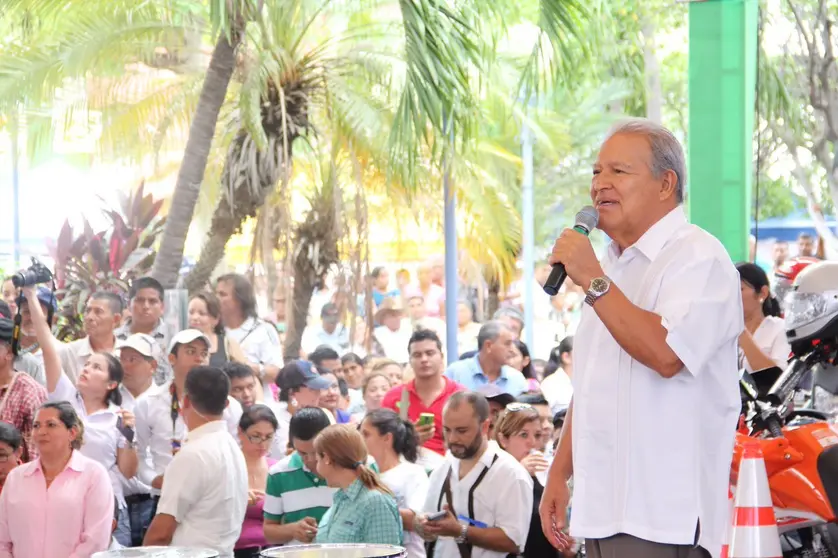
column 472, row 522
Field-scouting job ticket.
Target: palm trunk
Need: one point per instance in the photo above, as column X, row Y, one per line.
column 494, row 298
column 305, row 278
column 267, row 239
column 188, row 187
column 223, row 226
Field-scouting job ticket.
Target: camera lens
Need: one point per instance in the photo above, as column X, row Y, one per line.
column 19, row 279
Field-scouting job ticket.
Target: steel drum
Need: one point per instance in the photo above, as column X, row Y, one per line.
column 158, row 552
column 336, row 551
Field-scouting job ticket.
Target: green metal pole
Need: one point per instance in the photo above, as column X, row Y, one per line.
column 722, row 89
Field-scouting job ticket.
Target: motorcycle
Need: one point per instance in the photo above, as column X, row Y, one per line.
column 811, row 316
column 800, row 449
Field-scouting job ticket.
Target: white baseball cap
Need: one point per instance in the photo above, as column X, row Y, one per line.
column 188, row 336
column 140, row 342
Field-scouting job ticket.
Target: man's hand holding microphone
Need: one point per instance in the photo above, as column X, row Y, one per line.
column 573, row 256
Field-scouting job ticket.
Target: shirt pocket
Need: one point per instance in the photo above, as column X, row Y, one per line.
column 484, row 505
column 346, row 528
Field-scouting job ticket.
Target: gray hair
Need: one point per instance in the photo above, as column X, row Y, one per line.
column 509, row 312
column 489, row 332
column 667, row 153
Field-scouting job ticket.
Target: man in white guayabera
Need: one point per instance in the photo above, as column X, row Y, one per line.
column 649, row 432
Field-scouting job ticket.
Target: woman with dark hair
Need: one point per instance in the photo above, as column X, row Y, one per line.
column 521, row 361
column 556, row 385
column 257, row 429
column 205, row 316
column 62, row 503
column 363, row 509
column 257, row 338
column 96, row 399
column 353, row 372
column 394, row 445
column 763, row 343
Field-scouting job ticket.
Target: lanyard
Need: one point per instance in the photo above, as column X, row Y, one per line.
column 174, row 413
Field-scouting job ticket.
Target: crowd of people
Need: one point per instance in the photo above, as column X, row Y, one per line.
column 149, row 434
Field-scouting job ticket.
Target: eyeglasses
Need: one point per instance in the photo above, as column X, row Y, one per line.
column 5, row 457
column 257, row 439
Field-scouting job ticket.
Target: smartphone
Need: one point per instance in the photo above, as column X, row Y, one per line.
column 426, row 419
column 437, row 515
column 127, row 432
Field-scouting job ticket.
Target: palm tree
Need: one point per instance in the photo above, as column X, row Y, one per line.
column 442, row 47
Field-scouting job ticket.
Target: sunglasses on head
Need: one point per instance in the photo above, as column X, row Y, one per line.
column 515, row 407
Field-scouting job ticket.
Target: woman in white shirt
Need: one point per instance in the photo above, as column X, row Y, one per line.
column 108, row 429
column 556, row 386
column 763, row 344
column 394, row 445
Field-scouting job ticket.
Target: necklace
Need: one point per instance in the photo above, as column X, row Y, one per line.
column 30, row 349
column 255, row 476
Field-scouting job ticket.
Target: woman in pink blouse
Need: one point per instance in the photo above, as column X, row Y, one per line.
column 60, row 504
column 257, row 429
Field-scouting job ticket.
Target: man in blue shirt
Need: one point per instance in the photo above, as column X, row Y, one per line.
column 494, row 348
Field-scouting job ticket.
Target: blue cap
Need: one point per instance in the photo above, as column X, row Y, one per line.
column 45, row 297
column 299, row 373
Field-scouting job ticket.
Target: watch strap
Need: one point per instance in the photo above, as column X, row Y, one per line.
column 463, row 534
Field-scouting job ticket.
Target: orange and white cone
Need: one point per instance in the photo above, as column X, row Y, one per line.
column 728, row 525
column 755, row 533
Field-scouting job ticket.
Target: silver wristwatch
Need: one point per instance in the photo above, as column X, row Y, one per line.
column 463, row 534
column 599, row 286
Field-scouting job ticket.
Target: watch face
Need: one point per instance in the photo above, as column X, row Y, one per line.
column 599, row 285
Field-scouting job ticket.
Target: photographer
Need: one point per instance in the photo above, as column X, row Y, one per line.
column 28, row 341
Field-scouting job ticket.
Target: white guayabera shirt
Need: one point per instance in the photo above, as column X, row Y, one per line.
column 652, row 455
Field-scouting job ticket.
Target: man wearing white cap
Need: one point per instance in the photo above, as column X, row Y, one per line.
column 138, row 355
column 160, row 427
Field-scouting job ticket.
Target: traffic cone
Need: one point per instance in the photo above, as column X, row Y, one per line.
column 728, row 525
column 755, row 533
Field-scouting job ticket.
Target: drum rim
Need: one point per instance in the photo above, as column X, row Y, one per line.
column 397, row 550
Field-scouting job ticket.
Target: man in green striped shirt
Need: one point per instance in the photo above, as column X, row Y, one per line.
column 296, row 498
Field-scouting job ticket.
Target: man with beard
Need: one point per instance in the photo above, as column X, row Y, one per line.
column 485, row 493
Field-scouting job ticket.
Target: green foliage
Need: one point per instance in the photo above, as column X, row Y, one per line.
column 775, row 198
column 87, row 261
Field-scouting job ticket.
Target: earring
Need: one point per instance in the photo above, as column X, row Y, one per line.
column 761, row 300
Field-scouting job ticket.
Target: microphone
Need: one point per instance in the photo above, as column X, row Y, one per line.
column 586, row 221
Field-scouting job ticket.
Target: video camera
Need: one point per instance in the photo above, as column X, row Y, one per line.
column 36, row 274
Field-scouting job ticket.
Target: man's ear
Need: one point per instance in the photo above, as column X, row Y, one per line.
column 669, row 185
